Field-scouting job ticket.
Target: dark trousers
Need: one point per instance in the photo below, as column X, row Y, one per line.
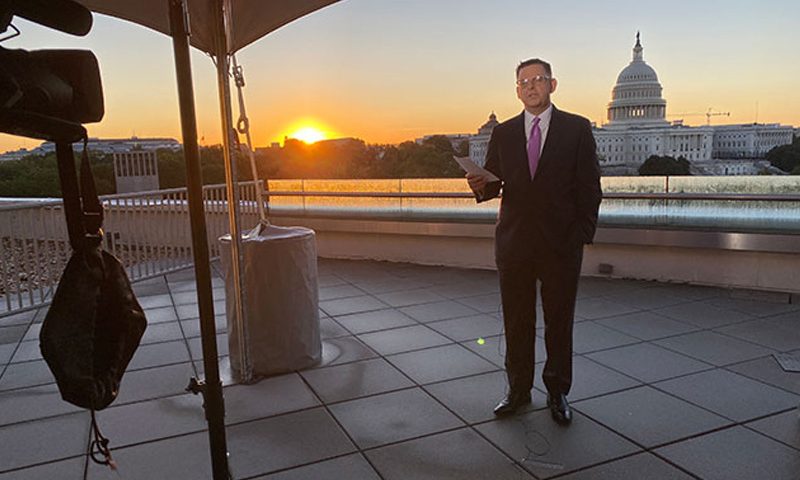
column 559, row 286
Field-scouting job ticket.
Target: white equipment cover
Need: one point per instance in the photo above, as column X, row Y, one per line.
column 279, row 277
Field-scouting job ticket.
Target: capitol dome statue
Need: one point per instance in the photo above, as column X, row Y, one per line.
column 636, row 98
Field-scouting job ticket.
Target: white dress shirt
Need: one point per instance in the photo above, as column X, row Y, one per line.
column 544, row 125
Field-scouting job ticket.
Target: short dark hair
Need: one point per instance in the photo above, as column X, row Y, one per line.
column 535, row 61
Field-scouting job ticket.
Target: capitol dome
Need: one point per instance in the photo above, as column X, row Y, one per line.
column 636, row 98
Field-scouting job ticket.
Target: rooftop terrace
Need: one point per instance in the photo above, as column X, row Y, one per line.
column 671, row 382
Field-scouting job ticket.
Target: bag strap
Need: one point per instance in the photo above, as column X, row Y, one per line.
column 82, row 207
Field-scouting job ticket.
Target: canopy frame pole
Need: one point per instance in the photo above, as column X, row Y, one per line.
column 222, row 17
column 212, row 388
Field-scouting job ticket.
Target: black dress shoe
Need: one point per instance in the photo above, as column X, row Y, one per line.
column 511, row 403
column 559, row 408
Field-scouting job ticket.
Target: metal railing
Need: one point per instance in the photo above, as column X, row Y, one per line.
column 148, row 231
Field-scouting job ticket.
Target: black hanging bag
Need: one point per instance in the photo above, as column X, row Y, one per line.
column 94, row 323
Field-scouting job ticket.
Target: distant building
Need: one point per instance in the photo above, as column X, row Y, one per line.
column 637, row 128
column 104, row 146
column 479, row 144
column 136, row 171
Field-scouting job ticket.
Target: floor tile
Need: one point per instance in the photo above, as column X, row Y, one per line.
column 474, row 398
column 468, row 328
column 440, row 363
column 285, row 441
column 374, row 321
column 12, row 334
column 344, row 306
column 356, row 379
column 730, row 395
column 646, row 299
column 155, row 301
column 71, row 469
column 6, row 352
column 767, row 370
column 768, row 332
column 26, row 352
column 155, row 419
column 393, row 417
column 162, row 332
column 34, row 442
column 648, row 362
column 589, row 379
column 431, row 312
column 703, row 315
column 343, row 350
column 755, row 307
column 329, row 328
column 158, row 354
column 191, row 327
column 415, row 337
column 350, row 467
column 196, row 346
column 22, row 318
column 33, row 332
column 547, row 449
column 489, row 303
column 590, row 337
column 27, row 374
column 339, row 291
column 646, row 325
column 713, row 347
column 179, row 458
column 650, row 417
column 494, row 349
column 469, row 288
column 735, row 453
column 154, row 382
column 158, row 315
column 32, row 403
column 409, row 297
column 784, row 427
column 443, row 457
column 594, row 308
column 639, row 466
column 268, row 397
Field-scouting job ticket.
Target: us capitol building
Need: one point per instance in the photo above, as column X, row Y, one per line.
column 637, row 128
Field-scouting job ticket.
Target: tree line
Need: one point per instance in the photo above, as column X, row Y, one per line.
column 37, row 175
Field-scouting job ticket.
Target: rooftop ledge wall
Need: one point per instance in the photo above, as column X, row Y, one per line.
column 730, row 260
column 703, row 245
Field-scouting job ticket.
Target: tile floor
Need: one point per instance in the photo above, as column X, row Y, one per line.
column 671, row 382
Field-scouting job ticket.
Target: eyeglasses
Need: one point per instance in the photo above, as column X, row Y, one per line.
column 537, row 80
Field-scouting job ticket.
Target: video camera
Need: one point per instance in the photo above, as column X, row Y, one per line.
column 48, row 94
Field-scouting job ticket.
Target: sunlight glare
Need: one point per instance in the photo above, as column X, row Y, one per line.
column 309, row 135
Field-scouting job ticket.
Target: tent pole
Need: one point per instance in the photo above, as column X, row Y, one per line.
column 212, row 389
column 222, row 15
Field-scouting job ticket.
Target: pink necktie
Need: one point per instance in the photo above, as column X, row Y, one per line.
column 534, row 145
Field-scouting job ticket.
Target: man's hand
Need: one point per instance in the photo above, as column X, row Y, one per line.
column 477, row 182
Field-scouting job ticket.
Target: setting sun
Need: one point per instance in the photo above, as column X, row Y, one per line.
column 308, row 134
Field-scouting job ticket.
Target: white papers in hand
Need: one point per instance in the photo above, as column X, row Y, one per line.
column 471, row 167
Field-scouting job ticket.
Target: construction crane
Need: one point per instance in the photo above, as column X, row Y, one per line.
column 710, row 113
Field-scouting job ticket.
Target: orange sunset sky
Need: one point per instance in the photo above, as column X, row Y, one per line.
column 388, row 71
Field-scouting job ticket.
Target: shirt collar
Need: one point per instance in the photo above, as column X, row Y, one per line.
column 544, row 117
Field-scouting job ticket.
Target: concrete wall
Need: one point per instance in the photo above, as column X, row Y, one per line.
column 674, row 256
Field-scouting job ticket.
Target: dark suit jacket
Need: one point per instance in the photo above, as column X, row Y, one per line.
column 554, row 214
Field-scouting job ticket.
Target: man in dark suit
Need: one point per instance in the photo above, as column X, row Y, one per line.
column 547, row 165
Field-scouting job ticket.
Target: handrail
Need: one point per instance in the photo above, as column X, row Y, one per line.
column 747, row 197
